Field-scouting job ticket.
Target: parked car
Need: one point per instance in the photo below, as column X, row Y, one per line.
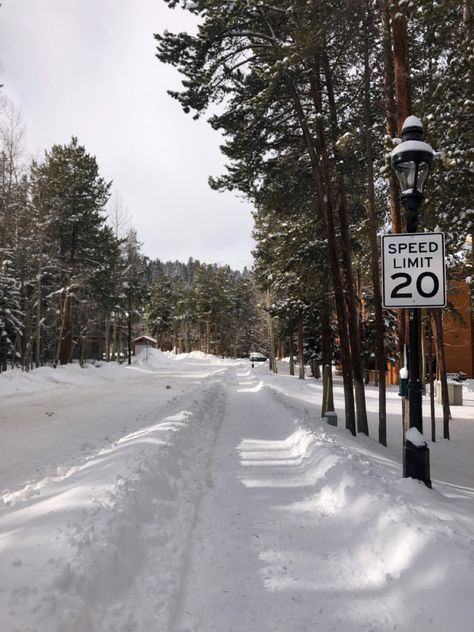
column 457, row 377
column 255, row 356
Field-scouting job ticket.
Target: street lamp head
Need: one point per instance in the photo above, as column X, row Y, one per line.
column 411, row 160
column 414, row 127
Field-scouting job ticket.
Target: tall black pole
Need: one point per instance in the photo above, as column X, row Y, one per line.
column 414, row 382
column 411, row 160
column 416, row 458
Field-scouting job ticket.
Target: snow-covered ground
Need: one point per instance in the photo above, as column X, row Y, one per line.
column 197, row 494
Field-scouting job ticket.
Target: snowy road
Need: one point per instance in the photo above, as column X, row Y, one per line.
column 253, row 559
column 296, row 534
column 204, row 496
column 68, row 424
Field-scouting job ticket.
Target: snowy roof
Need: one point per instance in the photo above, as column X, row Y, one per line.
column 149, row 338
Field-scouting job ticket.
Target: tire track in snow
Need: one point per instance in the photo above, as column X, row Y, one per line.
column 224, row 567
column 114, row 530
column 253, row 549
column 208, row 484
column 105, row 409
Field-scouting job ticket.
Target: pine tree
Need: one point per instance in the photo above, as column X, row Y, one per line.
column 135, row 284
column 159, row 311
column 72, row 190
column 10, row 317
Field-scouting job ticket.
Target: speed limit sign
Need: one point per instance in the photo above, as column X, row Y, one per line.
column 414, row 270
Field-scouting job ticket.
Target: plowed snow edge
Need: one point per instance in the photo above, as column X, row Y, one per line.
column 132, row 506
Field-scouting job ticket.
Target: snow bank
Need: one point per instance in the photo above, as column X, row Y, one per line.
column 102, row 546
column 151, row 359
column 200, row 356
column 49, row 378
column 468, row 385
column 377, row 538
column 311, row 527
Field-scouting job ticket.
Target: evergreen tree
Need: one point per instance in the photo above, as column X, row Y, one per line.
column 135, row 284
column 10, row 317
column 75, row 195
column 159, row 311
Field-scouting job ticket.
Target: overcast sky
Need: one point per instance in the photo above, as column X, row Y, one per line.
column 88, row 68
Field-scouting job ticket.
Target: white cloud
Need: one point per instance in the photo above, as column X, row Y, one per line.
column 88, row 68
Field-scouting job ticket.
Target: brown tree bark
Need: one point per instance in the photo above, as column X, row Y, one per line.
column 326, row 337
column 300, row 349
column 400, row 63
column 292, row 359
column 208, row 336
column 129, row 328
column 280, row 349
column 272, row 365
column 327, row 219
column 396, row 218
column 438, row 326
column 345, row 248
column 390, row 109
column 65, row 332
column 430, row 377
column 374, row 251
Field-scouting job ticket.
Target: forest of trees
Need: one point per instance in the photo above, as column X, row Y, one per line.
column 72, row 287
column 71, row 279
column 74, row 283
column 207, row 307
column 309, row 97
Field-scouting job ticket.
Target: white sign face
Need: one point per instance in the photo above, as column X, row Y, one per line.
column 414, row 270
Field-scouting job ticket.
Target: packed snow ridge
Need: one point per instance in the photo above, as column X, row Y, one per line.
column 191, row 493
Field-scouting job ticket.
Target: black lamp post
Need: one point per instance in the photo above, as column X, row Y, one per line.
column 411, row 160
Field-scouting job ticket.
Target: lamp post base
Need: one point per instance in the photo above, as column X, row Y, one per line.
column 416, row 463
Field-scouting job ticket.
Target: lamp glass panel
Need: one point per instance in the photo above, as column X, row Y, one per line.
column 423, row 170
column 406, row 175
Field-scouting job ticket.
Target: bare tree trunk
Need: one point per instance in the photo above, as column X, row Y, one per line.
column 316, row 373
column 328, row 398
column 430, row 377
column 272, row 363
column 279, row 349
column 374, row 251
column 438, row 322
column 65, row 352
column 292, row 358
column 326, row 337
column 129, row 328
column 38, row 307
column 107, row 337
column 346, row 248
column 176, row 339
column 83, row 350
column 327, row 219
column 300, row 349
column 63, row 325
column 401, row 64
column 115, row 338
column 208, row 336
column 392, row 131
